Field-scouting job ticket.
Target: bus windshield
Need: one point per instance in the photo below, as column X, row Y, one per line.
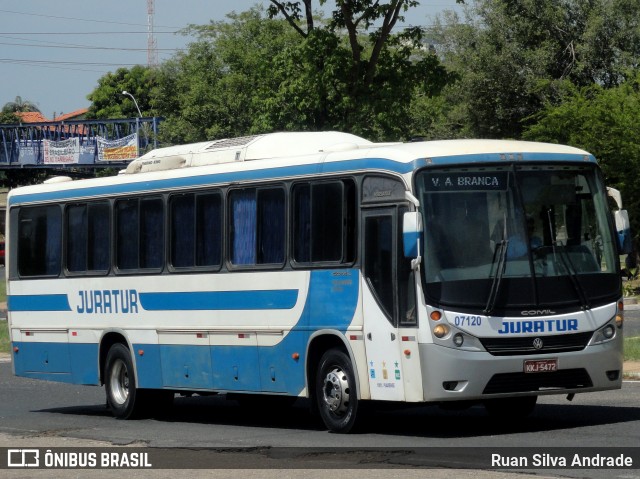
column 514, row 238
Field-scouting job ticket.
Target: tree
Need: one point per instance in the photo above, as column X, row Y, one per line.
column 604, row 122
column 226, row 82
column 351, row 16
column 377, row 70
column 19, row 105
column 9, row 118
column 253, row 74
column 513, row 55
column 107, row 100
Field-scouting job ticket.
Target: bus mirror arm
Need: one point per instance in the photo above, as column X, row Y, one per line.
column 415, row 263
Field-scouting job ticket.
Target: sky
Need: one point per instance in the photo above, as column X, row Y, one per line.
column 53, row 53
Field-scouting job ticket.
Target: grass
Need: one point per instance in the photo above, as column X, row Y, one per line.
column 632, row 349
column 4, row 337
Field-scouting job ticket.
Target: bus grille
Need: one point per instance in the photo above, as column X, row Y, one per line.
column 561, row 343
column 525, row 382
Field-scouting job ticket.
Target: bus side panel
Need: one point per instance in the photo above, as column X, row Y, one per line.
column 84, row 363
column 282, row 365
column 235, row 368
column 56, row 361
column 335, row 303
column 35, row 358
column 148, row 365
column 186, row 367
column 333, row 299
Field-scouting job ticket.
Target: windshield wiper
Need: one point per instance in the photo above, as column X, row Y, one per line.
column 501, row 254
column 559, row 250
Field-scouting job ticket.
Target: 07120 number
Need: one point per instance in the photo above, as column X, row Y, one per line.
column 467, row 321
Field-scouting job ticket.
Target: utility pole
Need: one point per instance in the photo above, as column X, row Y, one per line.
column 152, row 46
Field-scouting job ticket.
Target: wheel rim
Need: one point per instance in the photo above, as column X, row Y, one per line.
column 336, row 391
column 119, row 382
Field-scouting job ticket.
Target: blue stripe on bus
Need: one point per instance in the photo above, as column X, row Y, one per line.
column 331, row 304
column 219, row 300
column 517, row 157
column 227, row 177
column 38, row 302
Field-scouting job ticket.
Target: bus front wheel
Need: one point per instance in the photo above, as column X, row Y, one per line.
column 336, row 394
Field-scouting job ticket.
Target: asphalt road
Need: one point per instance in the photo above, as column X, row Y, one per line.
column 39, row 410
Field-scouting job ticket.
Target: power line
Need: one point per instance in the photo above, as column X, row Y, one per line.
column 60, row 62
column 80, row 19
column 78, row 47
column 26, row 64
column 89, row 33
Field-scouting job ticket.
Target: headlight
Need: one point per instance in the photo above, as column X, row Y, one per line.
column 441, row 330
column 606, row 333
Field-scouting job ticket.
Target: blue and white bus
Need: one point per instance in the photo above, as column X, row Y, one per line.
column 323, row 266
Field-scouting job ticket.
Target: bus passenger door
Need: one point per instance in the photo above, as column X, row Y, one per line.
column 388, row 303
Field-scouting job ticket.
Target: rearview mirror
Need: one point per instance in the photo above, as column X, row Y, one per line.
column 411, row 234
column 623, row 228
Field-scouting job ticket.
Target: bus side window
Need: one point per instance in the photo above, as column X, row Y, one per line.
column 196, row 230
column 258, row 226
column 140, row 233
column 127, row 240
column 324, row 222
column 40, row 241
column 88, row 237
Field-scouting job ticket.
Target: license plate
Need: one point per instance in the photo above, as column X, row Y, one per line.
column 541, row 365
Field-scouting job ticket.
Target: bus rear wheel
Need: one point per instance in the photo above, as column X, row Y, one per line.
column 119, row 382
column 336, row 394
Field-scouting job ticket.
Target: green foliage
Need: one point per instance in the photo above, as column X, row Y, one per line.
column 107, row 100
column 15, row 177
column 362, row 82
column 253, row 74
column 513, row 57
column 9, row 118
column 221, row 86
column 632, row 349
column 5, row 344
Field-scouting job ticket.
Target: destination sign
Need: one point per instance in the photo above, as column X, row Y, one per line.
column 467, row 181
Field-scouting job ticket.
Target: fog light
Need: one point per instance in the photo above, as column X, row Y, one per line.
column 458, row 339
column 441, row 330
column 609, row 331
column 613, row 375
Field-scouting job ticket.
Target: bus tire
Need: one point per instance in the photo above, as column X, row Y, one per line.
column 336, row 394
column 123, row 398
column 511, row 408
